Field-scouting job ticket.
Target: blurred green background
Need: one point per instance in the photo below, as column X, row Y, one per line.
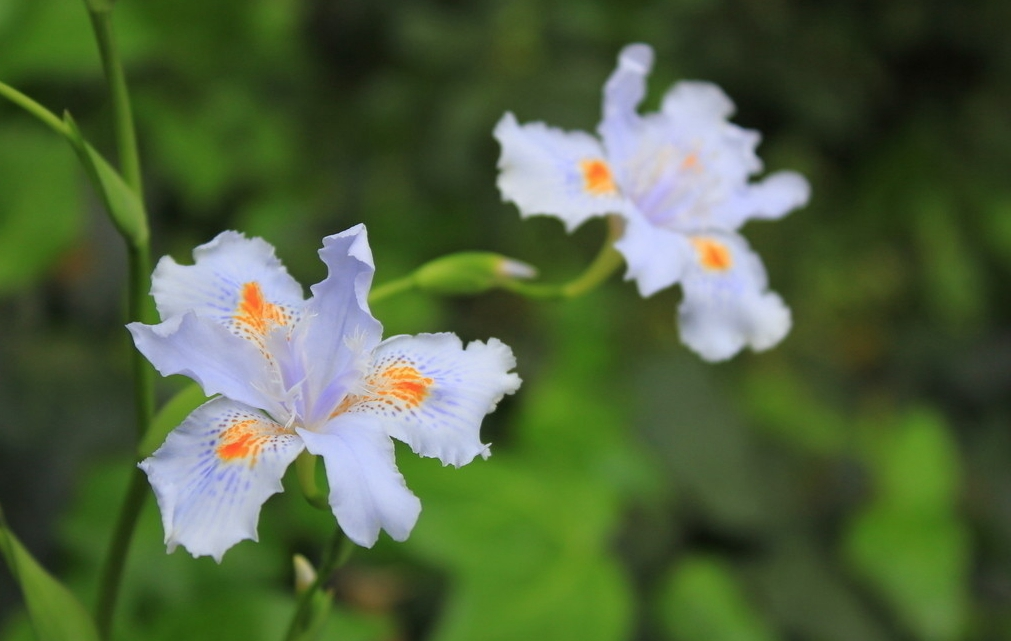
column 852, row 484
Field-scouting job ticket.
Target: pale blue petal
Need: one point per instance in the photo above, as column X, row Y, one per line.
column 213, row 473
column 548, row 171
column 339, row 331
column 698, row 103
column 213, row 287
column 219, row 361
column 656, row 257
column 774, row 197
column 623, row 92
column 431, row 393
column 728, row 307
column 367, row 492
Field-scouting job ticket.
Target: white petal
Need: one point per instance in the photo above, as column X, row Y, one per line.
column 236, row 281
column 656, row 257
column 698, row 101
column 431, row 393
column 214, row 472
column 205, row 351
column 544, row 170
column 623, row 91
column 367, row 492
column 339, row 330
column 726, row 306
column 774, row 197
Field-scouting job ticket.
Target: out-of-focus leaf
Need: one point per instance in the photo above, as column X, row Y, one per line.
column 951, row 267
column 701, row 600
column 801, row 589
column 55, row 612
column 528, row 550
column 785, row 405
column 909, row 543
column 170, row 416
column 916, row 464
column 54, row 40
column 918, row 563
column 40, row 212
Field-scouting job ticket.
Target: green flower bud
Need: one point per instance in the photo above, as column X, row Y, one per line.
column 470, row 273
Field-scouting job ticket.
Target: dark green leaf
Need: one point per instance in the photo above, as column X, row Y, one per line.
column 56, row 614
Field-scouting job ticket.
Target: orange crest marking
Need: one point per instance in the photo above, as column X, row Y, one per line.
column 244, row 440
column 597, row 178
column 713, row 255
column 397, row 388
column 239, row 442
column 255, row 314
column 403, row 383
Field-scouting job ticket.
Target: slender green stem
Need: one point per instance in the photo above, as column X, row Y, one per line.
column 115, row 559
column 335, row 555
column 607, row 261
column 392, row 288
column 126, row 137
column 305, row 470
column 49, row 118
column 139, row 308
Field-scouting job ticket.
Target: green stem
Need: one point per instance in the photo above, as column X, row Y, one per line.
column 122, row 113
column 115, row 558
column 47, row 117
column 305, row 470
column 392, row 288
column 139, row 309
column 335, row 555
column 607, row 261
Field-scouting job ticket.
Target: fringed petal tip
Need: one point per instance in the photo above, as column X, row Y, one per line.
column 432, row 393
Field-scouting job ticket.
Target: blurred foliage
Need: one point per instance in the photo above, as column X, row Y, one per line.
column 854, row 483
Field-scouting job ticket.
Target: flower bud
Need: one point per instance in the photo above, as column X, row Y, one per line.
column 305, row 574
column 470, row 273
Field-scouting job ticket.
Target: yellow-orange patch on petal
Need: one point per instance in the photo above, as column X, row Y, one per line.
column 402, row 383
column 255, row 314
column 400, row 386
column 244, row 440
column 597, row 178
column 713, row 255
column 691, row 162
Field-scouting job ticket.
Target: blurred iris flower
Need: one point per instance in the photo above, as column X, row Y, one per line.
column 679, row 181
column 296, row 374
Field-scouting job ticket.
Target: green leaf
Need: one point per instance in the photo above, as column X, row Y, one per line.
column 40, row 213
column 701, row 600
column 917, row 465
column 170, row 416
column 919, row 564
column 55, row 612
column 122, row 204
column 527, row 548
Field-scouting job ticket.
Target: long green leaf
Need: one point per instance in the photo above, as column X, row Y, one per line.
column 122, row 203
column 55, row 612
